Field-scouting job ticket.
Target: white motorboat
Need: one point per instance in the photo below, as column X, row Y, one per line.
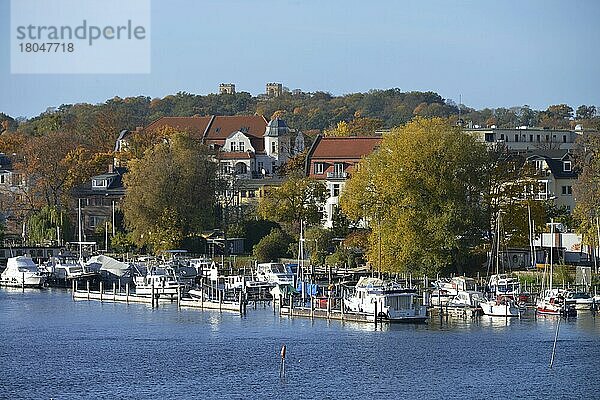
column 581, row 300
column 274, row 274
column 447, row 289
column 503, row 306
column 504, row 285
column 466, row 299
column 110, row 269
column 68, row 267
column 249, row 283
column 161, row 281
column 393, row 303
column 553, row 303
column 21, row 271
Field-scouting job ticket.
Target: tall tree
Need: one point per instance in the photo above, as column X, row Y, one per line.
column 170, row 193
column 421, row 194
column 298, row 199
column 586, row 188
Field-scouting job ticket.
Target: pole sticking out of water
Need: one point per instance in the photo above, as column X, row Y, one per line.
column 282, row 364
column 555, row 340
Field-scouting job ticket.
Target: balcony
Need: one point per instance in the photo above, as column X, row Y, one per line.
column 337, row 175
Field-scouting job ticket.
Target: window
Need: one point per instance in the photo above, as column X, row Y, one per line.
column 554, row 138
column 242, row 193
column 502, row 136
column 531, row 138
column 567, row 190
column 335, row 189
column 338, row 168
column 547, row 138
column 2, row 178
column 516, row 138
column 241, row 146
column 96, row 221
column 251, row 193
column 99, row 183
column 318, row 168
column 232, row 146
column 537, row 138
column 273, row 147
column 564, row 138
column 567, row 166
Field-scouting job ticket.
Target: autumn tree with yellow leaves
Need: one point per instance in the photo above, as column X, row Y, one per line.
column 420, row 192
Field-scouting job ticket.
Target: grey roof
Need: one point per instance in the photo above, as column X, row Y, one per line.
column 555, row 160
column 276, row 127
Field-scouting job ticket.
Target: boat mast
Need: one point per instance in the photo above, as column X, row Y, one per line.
column 79, row 226
column 498, row 244
column 551, row 248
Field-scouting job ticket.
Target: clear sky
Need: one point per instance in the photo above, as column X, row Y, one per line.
column 495, row 53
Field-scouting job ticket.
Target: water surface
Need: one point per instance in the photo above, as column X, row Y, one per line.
column 54, row 347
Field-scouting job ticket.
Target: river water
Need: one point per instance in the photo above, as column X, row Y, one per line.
column 52, row 347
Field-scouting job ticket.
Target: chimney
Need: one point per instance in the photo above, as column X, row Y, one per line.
column 111, row 168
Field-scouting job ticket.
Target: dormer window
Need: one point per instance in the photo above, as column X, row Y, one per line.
column 319, row 168
column 567, row 166
column 100, row 183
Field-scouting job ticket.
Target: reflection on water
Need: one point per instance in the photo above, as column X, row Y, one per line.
column 83, row 350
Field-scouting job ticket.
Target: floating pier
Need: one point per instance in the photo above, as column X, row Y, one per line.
column 115, row 296
column 324, row 314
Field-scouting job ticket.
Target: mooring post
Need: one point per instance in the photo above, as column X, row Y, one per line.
column 375, row 315
column 114, row 291
column 282, row 365
column 101, row 289
column 152, row 293
column 291, row 305
column 127, row 292
column 88, row 288
column 73, row 288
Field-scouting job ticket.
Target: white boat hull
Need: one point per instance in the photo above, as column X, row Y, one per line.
column 494, row 309
column 30, row 282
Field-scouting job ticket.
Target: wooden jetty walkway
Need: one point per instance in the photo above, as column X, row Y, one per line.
column 115, row 296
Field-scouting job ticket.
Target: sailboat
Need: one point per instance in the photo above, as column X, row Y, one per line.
column 503, row 288
column 553, row 300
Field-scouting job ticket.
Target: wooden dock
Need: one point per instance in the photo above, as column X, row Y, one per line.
column 306, row 312
column 127, row 297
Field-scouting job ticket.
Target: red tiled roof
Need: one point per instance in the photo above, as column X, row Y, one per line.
column 194, row 125
column 215, row 129
column 345, row 148
column 252, row 125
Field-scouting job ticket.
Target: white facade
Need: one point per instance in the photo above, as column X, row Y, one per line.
column 526, row 138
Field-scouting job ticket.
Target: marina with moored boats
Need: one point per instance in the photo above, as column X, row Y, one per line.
column 331, row 293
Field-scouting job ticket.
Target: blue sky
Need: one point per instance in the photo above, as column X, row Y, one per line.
column 494, row 53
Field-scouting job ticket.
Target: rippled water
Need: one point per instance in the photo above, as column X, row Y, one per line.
column 54, row 347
